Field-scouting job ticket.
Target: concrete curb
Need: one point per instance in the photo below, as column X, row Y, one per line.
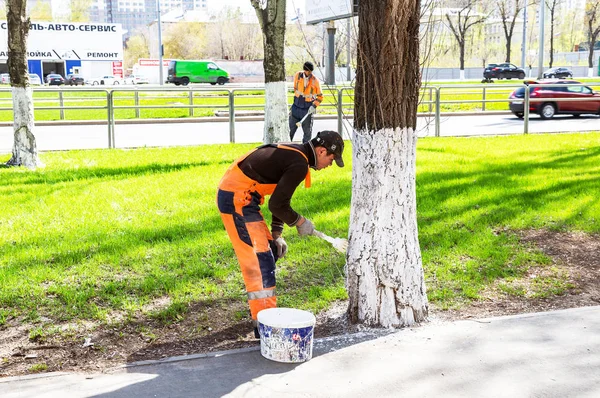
column 33, row 376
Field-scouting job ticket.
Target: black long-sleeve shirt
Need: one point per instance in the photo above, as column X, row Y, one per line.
column 284, row 167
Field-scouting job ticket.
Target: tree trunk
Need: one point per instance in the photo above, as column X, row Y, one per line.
column 461, row 46
column 508, row 45
column 552, row 35
column 386, row 285
column 24, row 148
column 272, row 22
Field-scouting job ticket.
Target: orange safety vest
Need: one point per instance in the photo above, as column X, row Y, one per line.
column 305, row 96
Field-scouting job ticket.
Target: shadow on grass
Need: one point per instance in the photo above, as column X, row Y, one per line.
column 56, row 177
column 118, row 262
column 462, row 217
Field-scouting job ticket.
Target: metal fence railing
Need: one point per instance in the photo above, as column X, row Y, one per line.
column 107, row 105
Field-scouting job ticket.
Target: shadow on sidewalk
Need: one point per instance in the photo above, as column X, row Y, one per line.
column 220, row 373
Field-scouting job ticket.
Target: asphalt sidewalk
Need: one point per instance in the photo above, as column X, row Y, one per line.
column 551, row 354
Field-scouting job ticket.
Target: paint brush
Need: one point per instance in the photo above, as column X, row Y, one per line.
column 301, row 120
column 338, row 244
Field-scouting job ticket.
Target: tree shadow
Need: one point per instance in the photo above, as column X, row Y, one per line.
column 96, row 173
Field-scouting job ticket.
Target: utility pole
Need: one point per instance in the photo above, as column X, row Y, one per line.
column 330, row 76
column 541, row 50
column 160, row 46
column 524, row 44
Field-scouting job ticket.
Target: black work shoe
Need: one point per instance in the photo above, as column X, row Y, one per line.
column 256, row 333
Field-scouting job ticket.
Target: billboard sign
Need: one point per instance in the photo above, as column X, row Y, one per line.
column 328, row 10
column 53, row 41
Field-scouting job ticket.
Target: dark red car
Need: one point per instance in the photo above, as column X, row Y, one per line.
column 547, row 109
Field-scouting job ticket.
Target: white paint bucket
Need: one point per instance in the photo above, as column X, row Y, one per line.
column 286, row 334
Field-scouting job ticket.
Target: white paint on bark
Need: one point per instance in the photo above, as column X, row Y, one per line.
column 590, row 72
column 385, row 273
column 276, row 113
column 24, row 147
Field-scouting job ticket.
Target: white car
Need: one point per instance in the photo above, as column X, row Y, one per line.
column 107, row 80
column 34, row 79
column 136, row 79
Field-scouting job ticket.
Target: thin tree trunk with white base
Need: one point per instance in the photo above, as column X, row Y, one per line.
column 385, row 279
column 24, row 151
column 276, row 107
column 24, row 148
column 271, row 18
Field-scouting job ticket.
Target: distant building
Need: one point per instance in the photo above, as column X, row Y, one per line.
column 134, row 14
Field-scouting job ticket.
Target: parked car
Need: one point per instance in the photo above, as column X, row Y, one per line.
column 5, row 78
column 136, row 79
column 108, row 80
column 54, row 79
column 503, row 71
column 75, row 80
column 560, row 73
column 34, row 79
column 547, row 109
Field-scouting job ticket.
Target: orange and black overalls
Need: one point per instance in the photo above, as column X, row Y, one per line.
column 239, row 198
column 307, row 92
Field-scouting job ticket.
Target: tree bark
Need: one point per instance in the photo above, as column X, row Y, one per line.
column 552, row 10
column 461, row 46
column 386, row 285
column 271, row 17
column 24, row 147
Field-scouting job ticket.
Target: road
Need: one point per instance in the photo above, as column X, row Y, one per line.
column 66, row 137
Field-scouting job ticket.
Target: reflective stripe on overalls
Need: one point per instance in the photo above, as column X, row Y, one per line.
column 239, row 199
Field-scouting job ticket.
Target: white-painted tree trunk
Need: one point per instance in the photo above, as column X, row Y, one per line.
column 24, row 147
column 590, row 72
column 462, row 74
column 276, row 113
column 385, row 272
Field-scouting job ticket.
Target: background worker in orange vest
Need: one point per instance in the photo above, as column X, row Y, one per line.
column 274, row 170
column 307, row 96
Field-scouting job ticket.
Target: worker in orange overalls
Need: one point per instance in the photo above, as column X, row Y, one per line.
column 274, row 170
column 307, row 96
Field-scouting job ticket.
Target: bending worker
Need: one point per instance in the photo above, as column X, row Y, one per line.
column 274, row 170
column 307, row 96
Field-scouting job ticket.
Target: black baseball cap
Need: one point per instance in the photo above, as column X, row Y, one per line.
column 333, row 142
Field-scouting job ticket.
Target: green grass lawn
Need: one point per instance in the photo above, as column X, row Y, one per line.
column 102, row 235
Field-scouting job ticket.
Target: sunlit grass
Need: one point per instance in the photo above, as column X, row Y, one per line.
column 105, row 232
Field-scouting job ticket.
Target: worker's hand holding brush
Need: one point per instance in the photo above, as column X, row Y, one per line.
column 306, row 227
column 312, row 110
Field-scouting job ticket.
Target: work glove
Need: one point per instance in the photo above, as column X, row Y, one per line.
column 312, row 110
column 307, row 228
column 281, row 247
